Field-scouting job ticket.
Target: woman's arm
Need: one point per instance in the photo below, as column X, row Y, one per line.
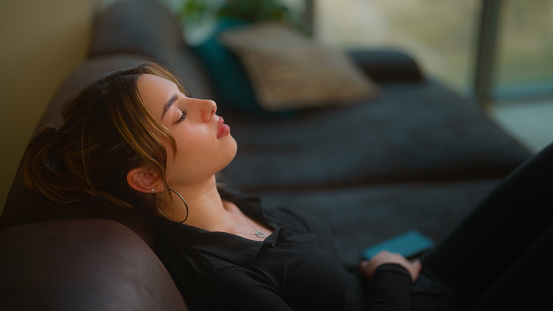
column 385, row 257
column 391, row 276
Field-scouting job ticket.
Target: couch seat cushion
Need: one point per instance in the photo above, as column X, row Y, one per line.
column 363, row 216
column 413, row 131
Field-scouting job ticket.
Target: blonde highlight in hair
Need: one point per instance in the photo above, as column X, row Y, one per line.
column 107, row 132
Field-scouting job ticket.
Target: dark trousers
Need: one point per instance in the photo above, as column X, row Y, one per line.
column 501, row 255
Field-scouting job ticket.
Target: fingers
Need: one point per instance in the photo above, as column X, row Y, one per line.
column 416, row 267
column 385, row 257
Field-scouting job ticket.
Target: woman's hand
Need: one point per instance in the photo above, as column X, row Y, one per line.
column 384, row 257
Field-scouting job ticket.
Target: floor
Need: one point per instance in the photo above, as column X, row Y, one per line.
column 529, row 122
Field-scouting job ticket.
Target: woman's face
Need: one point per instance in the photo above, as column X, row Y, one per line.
column 204, row 143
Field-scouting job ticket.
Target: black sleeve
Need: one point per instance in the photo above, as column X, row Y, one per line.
column 390, row 289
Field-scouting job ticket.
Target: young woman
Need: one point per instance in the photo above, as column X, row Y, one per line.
column 135, row 140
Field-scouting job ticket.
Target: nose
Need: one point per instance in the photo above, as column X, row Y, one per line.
column 207, row 109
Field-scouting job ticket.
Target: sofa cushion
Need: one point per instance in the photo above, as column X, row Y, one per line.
column 412, row 131
column 386, row 65
column 289, row 71
column 230, row 81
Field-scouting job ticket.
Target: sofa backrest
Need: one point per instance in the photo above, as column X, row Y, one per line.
column 148, row 28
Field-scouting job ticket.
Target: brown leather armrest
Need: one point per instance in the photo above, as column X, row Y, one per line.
column 82, row 264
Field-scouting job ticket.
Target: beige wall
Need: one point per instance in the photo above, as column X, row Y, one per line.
column 41, row 41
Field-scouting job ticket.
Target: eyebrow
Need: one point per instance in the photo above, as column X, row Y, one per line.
column 168, row 105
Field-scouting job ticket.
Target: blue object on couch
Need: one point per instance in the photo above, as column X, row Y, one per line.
column 409, row 245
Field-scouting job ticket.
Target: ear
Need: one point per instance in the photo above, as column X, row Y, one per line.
column 144, row 180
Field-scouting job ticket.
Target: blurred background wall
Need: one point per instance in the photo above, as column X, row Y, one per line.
column 41, row 42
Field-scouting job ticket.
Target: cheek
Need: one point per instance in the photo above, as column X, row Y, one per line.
column 193, row 146
column 199, row 155
column 191, row 141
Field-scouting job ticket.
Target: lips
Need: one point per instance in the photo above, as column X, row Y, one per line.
column 224, row 129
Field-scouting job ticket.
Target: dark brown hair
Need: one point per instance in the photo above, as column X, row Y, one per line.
column 107, row 132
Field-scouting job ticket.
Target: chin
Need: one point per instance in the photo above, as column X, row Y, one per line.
column 233, row 147
column 228, row 154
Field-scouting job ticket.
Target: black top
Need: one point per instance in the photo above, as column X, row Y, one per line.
column 295, row 268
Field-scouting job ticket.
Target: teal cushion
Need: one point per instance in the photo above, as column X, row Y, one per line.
column 230, row 81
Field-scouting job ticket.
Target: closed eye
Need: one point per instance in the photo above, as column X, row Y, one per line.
column 182, row 117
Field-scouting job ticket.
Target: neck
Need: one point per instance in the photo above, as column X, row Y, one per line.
column 205, row 206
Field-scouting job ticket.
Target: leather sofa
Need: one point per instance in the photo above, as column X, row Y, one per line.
column 418, row 156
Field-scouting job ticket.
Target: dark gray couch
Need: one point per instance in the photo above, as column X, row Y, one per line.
column 417, row 157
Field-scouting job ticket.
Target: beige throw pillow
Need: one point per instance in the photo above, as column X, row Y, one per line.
column 289, row 71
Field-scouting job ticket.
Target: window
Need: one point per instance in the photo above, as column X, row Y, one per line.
column 439, row 34
column 442, row 35
column 524, row 65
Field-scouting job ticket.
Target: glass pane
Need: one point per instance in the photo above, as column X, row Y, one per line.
column 438, row 33
column 525, row 48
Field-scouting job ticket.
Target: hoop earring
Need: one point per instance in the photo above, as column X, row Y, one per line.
column 183, row 201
